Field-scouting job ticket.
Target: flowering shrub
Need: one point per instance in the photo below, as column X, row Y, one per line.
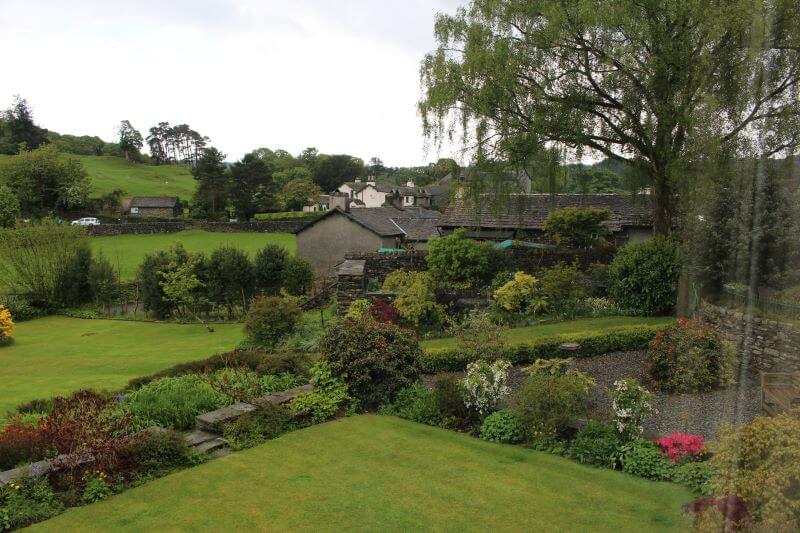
column 630, row 403
column 682, row 446
column 691, row 357
column 485, row 385
column 384, row 313
column 521, row 295
column 6, row 324
column 22, row 442
column 357, row 309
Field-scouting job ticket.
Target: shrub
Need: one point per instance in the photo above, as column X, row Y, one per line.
column 173, row 402
column 478, row 337
column 448, row 393
column 503, row 426
column 26, row 501
column 357, row 309
column 690, row 357
column 6, row 324
column 623, row 338
column 597, row 444
column 240, row 384
column 329, row 398
column 485, row 385
column 564, row 288
column 574, row 227
column 374, row 360
column 521, row 295
column 630, row 405
column 458, row 261
column 96, row 489
column 680, row 447
column 415, row 403
column 269, row 266
column 73, row 281
column 157, row 452
column 103, row 281
column 643, row 277
column 600, row 307
column 416, row 298
column 551, row 398
column 270, row 320
column 20, row 307
column 297, row 276
column 22, row 442
column 727, row 513
column 296, row 364
column 385, row 313
column 9, row 207
column 643, row 459
column 268, row 421
column 698, row 477
column 758, row 461
column 229, row 277
column 151, row 278
column 547, row 443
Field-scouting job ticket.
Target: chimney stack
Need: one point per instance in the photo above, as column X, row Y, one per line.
column 341, row 201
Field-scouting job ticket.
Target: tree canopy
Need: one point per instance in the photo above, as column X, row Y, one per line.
column 649, row 82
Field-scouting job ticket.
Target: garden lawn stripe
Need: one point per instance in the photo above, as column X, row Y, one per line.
column 382, row 473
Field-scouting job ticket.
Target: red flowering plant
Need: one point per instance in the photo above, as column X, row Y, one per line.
column 22, row 442
column 384, row 313
column 681, row 447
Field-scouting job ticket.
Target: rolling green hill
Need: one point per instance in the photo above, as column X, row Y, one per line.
column 109, row 173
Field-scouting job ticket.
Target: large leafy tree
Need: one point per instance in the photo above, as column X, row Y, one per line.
column 213, row 181
column 17, row 127
column 252, row 187
column 651, row 82
column 330, row 171
column 296, row 193
column 130, row 140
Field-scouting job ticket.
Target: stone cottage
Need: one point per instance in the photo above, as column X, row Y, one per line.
column 154, row 206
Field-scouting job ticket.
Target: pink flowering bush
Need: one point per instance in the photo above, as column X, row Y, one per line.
column 682, row 446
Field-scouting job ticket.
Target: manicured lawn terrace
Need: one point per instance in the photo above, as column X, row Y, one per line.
column 58, row 355
column 375, row 473
column 127, row 251
column 581, row 326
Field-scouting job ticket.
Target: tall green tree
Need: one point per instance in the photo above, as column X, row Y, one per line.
column 252, row 187
column 297, row 192
column 213, row 181
column 130, row 140
column 651, row 82
column 330, row 171
column 18, row 128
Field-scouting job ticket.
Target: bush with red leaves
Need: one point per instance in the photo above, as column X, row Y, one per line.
column 22, row 442
column 384, row 313
column 735, row 510
column 682, row 446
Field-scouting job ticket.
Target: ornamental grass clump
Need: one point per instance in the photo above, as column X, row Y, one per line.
column 485, row 385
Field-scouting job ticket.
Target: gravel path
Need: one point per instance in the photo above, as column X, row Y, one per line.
column 692, row 413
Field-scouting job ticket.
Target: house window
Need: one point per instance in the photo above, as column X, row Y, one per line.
column 134, row 210
column 409, row 200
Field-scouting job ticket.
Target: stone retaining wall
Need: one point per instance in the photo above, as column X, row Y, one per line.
column 258, row 226
column 139, row 228
column 771, row 345
column 149, row 228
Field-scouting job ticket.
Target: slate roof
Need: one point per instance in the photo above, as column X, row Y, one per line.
column 357, row 187
column 529, row 211
column 415, row 223
column 154, row 201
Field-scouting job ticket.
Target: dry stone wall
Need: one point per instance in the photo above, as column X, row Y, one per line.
column 149, row 228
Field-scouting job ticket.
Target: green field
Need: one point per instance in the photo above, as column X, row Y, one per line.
column 59, row 355
column 376, row 473
column 518, row 336
column 127, row 251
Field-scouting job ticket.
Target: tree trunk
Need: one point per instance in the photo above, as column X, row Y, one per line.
column 662, row 202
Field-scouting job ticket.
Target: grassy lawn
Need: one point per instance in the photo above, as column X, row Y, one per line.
column 528, row 334
column 109, row 173
column 375, row 473
column 58, row 355
column 127, row 251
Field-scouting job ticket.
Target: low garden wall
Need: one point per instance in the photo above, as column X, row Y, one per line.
column 149, row 228
column 772, row 345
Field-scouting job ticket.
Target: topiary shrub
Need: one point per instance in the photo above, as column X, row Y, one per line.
column 642, row 458
column 375, row 360
column 597, row 444
column 574, row 227
column 415, row 403
column 270, row 320
column 643, row 277
column 690, row 357
column 458, row 261
column 552, row 397
column 6, row 325
column 503, row 426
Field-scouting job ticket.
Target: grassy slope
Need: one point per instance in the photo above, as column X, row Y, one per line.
column 127, row 251
column 375, row 473
column 109, row 173
column 519, row 336
column 58, row 355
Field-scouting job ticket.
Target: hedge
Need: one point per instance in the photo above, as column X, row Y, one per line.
column 622, row 338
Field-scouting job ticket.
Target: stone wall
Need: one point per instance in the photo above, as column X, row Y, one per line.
column 147, row 228
column 350, row 284
column 771, row 345
column 379, row 265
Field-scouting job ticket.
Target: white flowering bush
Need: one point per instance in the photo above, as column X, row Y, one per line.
column 631, row 404
column 485, row 385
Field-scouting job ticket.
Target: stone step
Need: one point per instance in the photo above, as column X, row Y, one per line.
column 213, row 421
column 196, row 437
column 211, row 445
column 283, row 397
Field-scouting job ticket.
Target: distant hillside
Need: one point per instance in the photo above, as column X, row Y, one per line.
column 109, row 173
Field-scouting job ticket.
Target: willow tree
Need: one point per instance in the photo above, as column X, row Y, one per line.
column 650, row 82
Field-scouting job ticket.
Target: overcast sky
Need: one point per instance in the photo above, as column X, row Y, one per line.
column 341, row 75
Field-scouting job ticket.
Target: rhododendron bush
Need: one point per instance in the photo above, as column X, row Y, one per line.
column 682, row 446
